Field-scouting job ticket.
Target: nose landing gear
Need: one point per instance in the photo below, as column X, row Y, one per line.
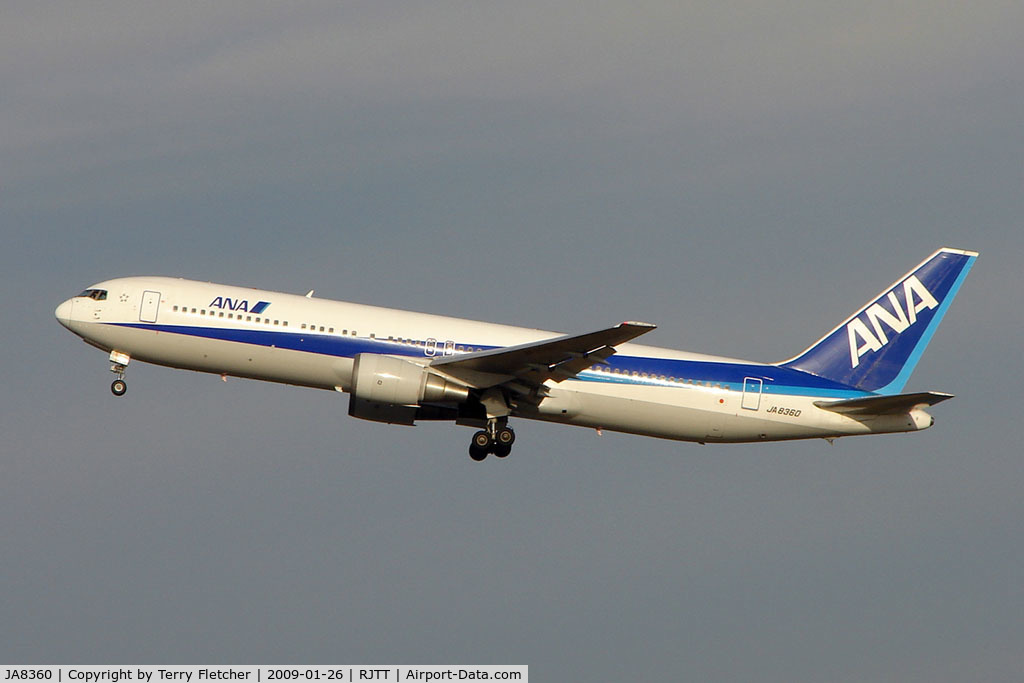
column 118, row 364
column 497, row 439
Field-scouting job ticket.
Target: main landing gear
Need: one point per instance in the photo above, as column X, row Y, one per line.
column 118, row 364
column 497, row 439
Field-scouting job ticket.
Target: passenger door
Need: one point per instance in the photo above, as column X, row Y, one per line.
column 752, row 393
column 150, row 306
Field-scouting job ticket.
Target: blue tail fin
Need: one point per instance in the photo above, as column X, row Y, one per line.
column 877, row 348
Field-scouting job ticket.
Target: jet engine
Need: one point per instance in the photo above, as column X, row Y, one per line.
column 390, row 389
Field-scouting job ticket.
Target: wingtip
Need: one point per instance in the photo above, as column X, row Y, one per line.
column 637, row 323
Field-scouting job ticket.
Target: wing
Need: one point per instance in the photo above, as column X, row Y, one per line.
column 883, row 405
column 533, row 364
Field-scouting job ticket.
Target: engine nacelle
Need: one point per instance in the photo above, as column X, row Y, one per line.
column 389, row 389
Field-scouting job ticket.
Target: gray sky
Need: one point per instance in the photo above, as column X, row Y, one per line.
column 742, row 174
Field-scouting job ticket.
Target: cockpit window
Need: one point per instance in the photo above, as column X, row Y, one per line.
column 96, row 294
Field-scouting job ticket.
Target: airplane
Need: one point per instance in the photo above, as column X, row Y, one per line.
column 399, row 367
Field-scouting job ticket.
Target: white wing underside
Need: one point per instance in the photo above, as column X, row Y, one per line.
column 531, row 365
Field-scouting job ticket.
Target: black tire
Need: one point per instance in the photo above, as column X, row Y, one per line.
column 502, row 451
column 482, row 441
column 477, row 454
column 505, row 437
column 118, row 387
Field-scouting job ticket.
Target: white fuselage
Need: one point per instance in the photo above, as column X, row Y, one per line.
column 264, row 335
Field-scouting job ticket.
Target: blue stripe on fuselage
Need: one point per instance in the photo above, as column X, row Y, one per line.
column 648, row 371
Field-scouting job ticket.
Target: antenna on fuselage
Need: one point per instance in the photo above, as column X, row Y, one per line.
column 309, row 294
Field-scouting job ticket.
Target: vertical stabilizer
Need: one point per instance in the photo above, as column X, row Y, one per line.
column 877, row 348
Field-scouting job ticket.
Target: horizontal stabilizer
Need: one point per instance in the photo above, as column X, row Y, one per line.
column 883, row 405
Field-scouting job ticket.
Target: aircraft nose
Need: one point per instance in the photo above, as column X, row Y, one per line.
column 63, row 312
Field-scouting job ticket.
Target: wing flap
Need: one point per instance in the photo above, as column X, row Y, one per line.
column 883, row 405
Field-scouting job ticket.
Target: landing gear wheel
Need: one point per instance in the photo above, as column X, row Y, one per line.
column 505, row 437
column 492, row 440
column 482, row 441
column 480, row 446
column 118, row 387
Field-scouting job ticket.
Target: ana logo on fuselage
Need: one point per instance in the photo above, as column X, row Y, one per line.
column 223, row 302
column 864, row 339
